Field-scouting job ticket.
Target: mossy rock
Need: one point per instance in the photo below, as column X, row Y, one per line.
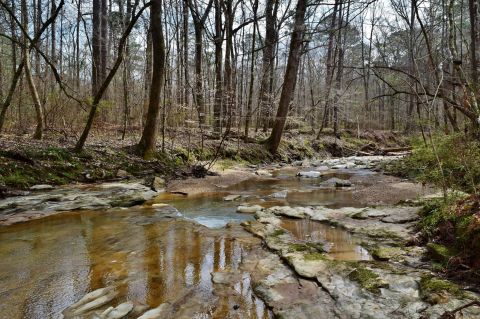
column 314, row 256
column 299, row 248
column 439, row 252
column 306, row 247
column 385, row 253
column 436, row 290
column 360, row 215
column 278, row 232
column 367, row 279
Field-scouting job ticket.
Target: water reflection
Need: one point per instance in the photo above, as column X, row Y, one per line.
column 49, row 264
column 343, row 246
column 211, row 210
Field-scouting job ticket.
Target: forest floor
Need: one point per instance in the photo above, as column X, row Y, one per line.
column 25, row 162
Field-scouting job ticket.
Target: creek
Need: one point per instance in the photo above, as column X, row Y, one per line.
column 165, row 251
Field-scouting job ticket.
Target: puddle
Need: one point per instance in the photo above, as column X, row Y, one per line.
column 49, row 264
column 343, row 245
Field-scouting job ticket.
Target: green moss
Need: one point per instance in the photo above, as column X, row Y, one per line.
column 367, row 279
column 278, row 232
column 298, row 247
column 314, row 256
column 386, row 253
column 359, row 215
column 316, row 246
column 384, row 234
column 439, row 252
column 432, row 289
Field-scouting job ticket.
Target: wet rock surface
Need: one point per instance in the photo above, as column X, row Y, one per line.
column 393, row 286
column 83, row 197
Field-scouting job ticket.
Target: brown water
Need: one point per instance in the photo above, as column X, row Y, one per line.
column 340, row 244
column 211, row 210
column 49, row 264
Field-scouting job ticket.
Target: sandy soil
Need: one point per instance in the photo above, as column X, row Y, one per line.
column 380, row 189
column 225, row 178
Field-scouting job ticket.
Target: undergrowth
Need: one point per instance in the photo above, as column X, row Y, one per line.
column 446, row 161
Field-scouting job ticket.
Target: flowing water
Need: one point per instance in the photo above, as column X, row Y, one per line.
column 150, row 257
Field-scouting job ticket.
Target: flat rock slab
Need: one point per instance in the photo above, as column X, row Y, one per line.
column 356, row 289
column 249, row 209
column 232, row 197
column 336, row 182
column 309, row 174
column 80, row 197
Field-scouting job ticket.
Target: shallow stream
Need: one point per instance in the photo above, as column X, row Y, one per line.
column 152, row 257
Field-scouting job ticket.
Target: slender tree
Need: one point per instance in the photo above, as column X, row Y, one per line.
column 290, row 78
column 28, row 73
column 199, row 26
column 146, row 146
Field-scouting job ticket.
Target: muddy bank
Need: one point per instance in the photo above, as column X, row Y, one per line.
column 25, row 162
column 223, row 180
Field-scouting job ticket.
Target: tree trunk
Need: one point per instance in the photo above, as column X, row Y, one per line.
column 411, row 68
column 96, row 46
column 104, row 41
column 339, row 75
column 217, row 107
column 146, row 146
column 77, row 45
column 148, row 75
column 198, row 23
column 329, row 67
column 228, row 91
column 126, row 67
column 252, row 75
column 185, row 53
column 28, row 73
column 267, row 64
column 475, row 42
column 290, row 78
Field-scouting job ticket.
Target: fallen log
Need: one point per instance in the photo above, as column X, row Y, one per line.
column 385, row 151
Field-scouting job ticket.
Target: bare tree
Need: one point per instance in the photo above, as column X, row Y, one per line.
column 290, row 78
column 199, row 25
column 28, row 73
column 147, row 144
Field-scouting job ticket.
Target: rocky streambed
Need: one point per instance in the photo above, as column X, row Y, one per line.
column 317, row 239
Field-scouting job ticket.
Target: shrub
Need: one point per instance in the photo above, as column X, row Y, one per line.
column 453, row 163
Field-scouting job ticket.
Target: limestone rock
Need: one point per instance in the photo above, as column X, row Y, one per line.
column 41, row 187
column 232, row 197
column 281, row 194
column 309, row 174
column 249, row 209
column 336, row 182
column 119, row 311
column 263, row 172
column 160, row 312
column 122, row 173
